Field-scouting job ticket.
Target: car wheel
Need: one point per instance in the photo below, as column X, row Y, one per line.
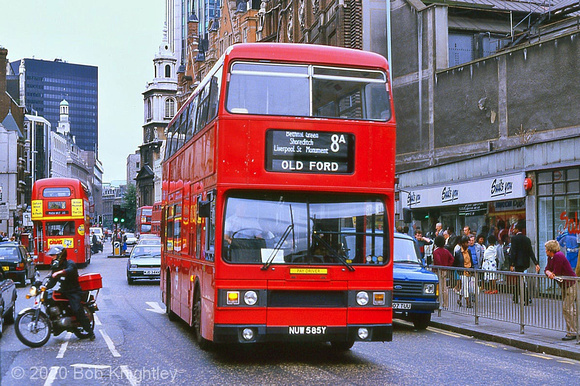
column 11, row 315
column 421, row 321
column 1, row 322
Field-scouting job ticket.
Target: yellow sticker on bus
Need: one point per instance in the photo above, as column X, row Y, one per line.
column 65, row 242
column 309, row 271
column 36, row 208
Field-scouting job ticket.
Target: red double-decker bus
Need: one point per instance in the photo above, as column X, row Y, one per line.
column 60, row 215
column 278, row 197
column 156, row 218
column 143, row 220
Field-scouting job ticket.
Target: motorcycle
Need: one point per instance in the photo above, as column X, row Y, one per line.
column 51, row 313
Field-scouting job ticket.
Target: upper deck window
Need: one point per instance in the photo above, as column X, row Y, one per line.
column 302, row 90
column 56, row 192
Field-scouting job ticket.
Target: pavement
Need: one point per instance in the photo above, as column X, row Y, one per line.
column 533, row 339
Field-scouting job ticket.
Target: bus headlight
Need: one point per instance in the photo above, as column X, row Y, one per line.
column 429, row 288
column 362, row 298
column 250, row 298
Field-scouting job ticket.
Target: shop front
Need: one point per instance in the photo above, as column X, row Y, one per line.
column 558, row 194
column 489, row 205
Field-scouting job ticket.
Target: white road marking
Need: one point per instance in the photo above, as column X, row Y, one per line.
column 89, row 366
column 110, row 344
column 51, row 375
column 63, row 346
column 97, row 320
column 155, row 307
column 130, row 376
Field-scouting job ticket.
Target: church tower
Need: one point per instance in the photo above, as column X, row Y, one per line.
column 160, row 106
column 63, row 122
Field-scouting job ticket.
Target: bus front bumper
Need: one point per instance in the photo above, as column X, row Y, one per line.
column 261, row 333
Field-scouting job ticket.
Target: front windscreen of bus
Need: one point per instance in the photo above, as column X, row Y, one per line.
column 306, row 90
column 283, row 228
column 60, row 228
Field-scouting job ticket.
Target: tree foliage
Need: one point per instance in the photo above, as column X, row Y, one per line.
column 130, row 206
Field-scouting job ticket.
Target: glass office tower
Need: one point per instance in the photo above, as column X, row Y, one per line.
column 47, row 83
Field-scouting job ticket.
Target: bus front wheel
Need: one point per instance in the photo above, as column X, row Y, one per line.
column 203, row 343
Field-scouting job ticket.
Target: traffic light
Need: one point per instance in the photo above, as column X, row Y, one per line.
column 116, row 213
column 122, row 215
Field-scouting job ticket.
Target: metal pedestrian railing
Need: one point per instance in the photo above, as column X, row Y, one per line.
column 520, row 298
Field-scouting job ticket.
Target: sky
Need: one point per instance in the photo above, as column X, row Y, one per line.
column 120, row 37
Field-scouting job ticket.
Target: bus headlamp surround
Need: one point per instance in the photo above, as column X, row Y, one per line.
column 250, row 298
column 362, row 298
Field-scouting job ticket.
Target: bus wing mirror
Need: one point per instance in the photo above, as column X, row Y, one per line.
column 204, row 209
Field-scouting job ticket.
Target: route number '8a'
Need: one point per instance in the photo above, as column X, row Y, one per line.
column 336, row 140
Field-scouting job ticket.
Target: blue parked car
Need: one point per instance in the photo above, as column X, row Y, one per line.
column 415, row 289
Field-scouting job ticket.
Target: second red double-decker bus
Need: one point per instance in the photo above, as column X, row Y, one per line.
column 60, row 215
column 278, row 194
column 156, row 218
column 143, row 220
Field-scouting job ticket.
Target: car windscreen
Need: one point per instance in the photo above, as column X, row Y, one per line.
column 146, row 251
column 405, row 251
column 9, row 254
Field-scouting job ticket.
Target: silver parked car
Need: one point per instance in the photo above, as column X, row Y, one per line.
column 144, row 263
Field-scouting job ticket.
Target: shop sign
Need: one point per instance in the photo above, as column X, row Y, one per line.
column 473, row 209
column 506, row 187
column 4, row 212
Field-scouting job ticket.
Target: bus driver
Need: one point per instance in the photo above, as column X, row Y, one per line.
column 242, row 224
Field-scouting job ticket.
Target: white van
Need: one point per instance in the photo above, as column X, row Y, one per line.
column 98, row 231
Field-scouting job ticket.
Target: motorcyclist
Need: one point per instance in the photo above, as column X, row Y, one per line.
column 65, row 271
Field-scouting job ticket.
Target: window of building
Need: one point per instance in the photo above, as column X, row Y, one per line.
column 169, row 108
column 167, row 71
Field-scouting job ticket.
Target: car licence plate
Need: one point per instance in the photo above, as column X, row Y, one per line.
column 401, row 306
column 299, row 330
column 152, row 272
column 5, row 268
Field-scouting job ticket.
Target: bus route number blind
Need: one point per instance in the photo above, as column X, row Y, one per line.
column 309, row 152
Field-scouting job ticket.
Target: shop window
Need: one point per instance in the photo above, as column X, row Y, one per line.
column 558, row 211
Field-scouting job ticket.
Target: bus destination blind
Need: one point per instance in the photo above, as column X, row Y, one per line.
column 298, row 151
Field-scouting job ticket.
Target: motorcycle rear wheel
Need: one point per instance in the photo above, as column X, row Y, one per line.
column 79, row 331
column 33, row 331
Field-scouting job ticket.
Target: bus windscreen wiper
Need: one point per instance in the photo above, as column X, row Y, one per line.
column 278, row 246
column 333, row 252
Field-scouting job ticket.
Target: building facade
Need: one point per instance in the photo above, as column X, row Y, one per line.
column 13, row 164
column 44, row 84
column 486, row 134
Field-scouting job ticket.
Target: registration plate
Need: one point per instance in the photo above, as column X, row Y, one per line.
column 299, row 330
column 5, row 268
column 151, row 272
column 401, row 306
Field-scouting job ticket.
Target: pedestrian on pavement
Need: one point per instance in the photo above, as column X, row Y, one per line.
column 442, row 257
column 521, row 253
column 505, row 245
column 421, row 242
column 463, row 259
column 474, row 251
column 123, row 243
column 438, row 229
column 557, row 266
column 490, row 262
